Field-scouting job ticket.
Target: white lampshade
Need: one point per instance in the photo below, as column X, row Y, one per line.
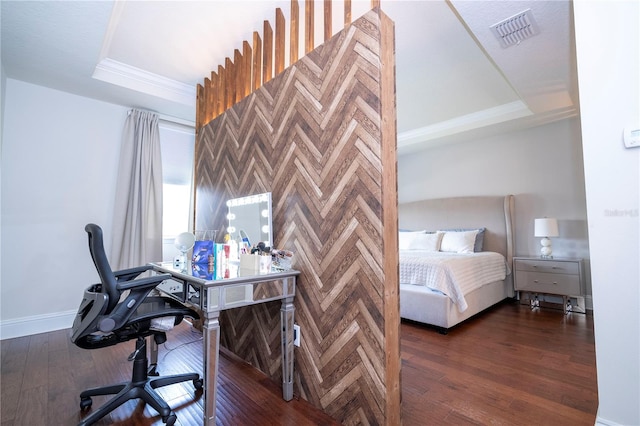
column 546, row 227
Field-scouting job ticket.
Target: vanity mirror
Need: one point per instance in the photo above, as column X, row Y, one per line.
column 250, row 217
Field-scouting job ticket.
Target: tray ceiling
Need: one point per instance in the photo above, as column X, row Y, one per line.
column 454, row 80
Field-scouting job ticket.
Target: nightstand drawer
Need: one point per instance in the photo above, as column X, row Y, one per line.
column 556, row 267
column 556, row 283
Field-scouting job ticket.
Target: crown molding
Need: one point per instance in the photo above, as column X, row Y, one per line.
column 133, row 78
column 487, row 117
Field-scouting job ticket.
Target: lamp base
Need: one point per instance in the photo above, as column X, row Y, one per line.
column 545, row 251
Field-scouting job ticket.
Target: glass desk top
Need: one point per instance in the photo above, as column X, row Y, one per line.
column 202, row 272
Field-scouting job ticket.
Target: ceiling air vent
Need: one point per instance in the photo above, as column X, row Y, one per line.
column 516, row 28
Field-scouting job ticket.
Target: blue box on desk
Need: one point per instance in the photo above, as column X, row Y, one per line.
column 201, row 252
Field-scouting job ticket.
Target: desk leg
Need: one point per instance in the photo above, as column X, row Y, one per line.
column 286, row 322
column 211, row 343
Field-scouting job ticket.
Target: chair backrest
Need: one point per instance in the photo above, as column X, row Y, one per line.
column 108, row 279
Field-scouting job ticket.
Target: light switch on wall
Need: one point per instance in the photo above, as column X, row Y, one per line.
column 296, row 335
column 631, row 137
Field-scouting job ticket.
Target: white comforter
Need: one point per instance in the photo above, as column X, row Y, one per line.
column 453, row 274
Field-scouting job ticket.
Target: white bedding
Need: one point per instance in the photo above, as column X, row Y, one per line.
column 453, row 274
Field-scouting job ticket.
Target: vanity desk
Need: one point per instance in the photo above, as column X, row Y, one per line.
column 210, row 296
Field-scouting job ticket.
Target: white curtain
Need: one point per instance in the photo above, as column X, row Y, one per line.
column 137, row 220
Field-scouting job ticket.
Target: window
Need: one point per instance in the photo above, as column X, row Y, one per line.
column 177, row 145
column 175, row 217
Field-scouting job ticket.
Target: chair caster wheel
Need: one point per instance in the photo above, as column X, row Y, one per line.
column 85, row 403
column 198, row 383
column 170, row 419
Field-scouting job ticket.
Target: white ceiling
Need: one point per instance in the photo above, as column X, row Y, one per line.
column 454, row 81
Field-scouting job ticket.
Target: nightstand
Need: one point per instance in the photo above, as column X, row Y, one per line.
column 558, row 276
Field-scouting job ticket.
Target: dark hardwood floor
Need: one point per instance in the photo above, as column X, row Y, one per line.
column 509, row 366
column 43, row 375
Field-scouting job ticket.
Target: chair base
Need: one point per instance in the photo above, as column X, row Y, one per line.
column 141, row 386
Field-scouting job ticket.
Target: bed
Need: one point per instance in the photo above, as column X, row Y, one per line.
column 444, row 306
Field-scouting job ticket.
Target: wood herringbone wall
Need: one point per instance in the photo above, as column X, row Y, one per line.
column 321, row 137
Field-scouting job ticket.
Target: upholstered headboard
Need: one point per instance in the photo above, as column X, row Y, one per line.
column 495, row 213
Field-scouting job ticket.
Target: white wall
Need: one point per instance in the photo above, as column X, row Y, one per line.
column 608, row 53
column 3, row 82
column 59, row 166
column 541, row 166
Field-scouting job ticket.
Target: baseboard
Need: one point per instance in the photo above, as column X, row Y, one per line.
column 600, row 421
column 603, row 422
column 588, row 302
column 27, row 326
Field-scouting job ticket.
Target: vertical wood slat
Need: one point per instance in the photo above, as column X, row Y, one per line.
column 390, row 222
column 267, row 51
column 215, row 83
column 229, row 86
column 294, row 33
column 308, row 26
column 347, row 12
column 246, row 65
column 211, row 99
column 279, row 41
column 222, row 89
column 327, row 20
column 199, row 106
column 254, row 66
column 238, row 76
column 207, row 94
column 257, row 61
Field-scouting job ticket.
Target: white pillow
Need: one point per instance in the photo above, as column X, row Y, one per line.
column 405, row 238
column 458, row 242
column 428, row 242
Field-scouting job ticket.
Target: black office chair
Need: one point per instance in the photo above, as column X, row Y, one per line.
column 105, row 320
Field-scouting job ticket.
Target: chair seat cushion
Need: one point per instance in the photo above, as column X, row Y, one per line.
column 141, row 324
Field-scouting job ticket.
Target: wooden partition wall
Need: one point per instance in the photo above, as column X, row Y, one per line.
column 321, row 136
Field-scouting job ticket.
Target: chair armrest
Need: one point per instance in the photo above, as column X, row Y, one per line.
column 142, row 283
column 130, row 273
column 139, row 289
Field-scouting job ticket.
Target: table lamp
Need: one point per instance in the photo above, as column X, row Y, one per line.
column 545, row 228
column 183, row 242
